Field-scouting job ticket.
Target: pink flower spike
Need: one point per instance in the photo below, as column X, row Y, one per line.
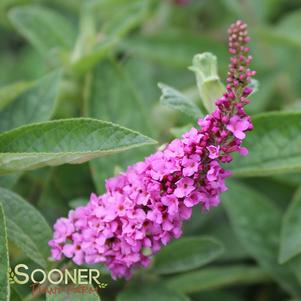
column 243, row 151
column 145, row 206
column 193, row 199
column 184, row 187
column 172, row 204
column 213, row 151
column 190, row 165
column 237, row 126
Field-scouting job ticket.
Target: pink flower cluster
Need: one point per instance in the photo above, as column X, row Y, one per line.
column 143, row 208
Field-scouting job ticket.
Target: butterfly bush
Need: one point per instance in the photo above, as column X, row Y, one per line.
column 144, row 207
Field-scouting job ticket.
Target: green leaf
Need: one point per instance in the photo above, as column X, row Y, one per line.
column 33, row 105
column 290, row 244
column 14, row 296
column 125, row 19
column 289, row 27
column 256, row 222
column 4, row 285
column 119, row 23
column 10, row 92
column 274, row 146
column 105, row 104
column 261, row 11
column 186, row 254
column 150, row 293
column 10, row 180
column 233, row 250
column 217, row 295
column 26, row 227
column 174, row 48
column 216, row 277
column 84, row 293
column 45, row 29
column 64, row 141
column 285, row 33
column 97, row 54
column 176, row 100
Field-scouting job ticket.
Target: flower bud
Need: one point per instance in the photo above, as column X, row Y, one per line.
column 209, row 85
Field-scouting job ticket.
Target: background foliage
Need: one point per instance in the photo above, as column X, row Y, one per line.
column 102, row 59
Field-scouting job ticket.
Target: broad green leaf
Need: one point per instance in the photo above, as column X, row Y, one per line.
column 78, row 293
column 210, row 87
column 119, row 23
column 99, row 52
column 125, row 19
column 186, row 254
column 289, row 27
column 10, row 180
column 45, row 29
column 147, row 292
column 64, row 141
column 256, row 222
column 261, row 101
column 4, row 259
column 33, row 105
column 106, row 104
column 233, row 250
column 285, row 33
column 14, row 296
column 257, row 10
column 26, row 227
column 176, row 100
column 290, row 244
column 172, row 48
column 217, row 295
column 10, row 92
column 216, row 277
column 274, row 146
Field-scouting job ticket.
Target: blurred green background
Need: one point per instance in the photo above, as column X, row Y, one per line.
column 112, row 54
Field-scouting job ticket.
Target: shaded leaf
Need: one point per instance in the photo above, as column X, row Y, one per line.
column 106, row 103
column 10, row 92
column 216, row 277
column 290, row 244
column 26, row 227
column 150, row 293
column 4, row 285
column 113, row 30
column 172, row 48
column 289, row 27
column 10, row 180
column 256, row 222
column 186, row 254
column 176, row 100
column 33, row 105
column 217, row 295
column 274, row 146
column 64, row 141
column 43, row 27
